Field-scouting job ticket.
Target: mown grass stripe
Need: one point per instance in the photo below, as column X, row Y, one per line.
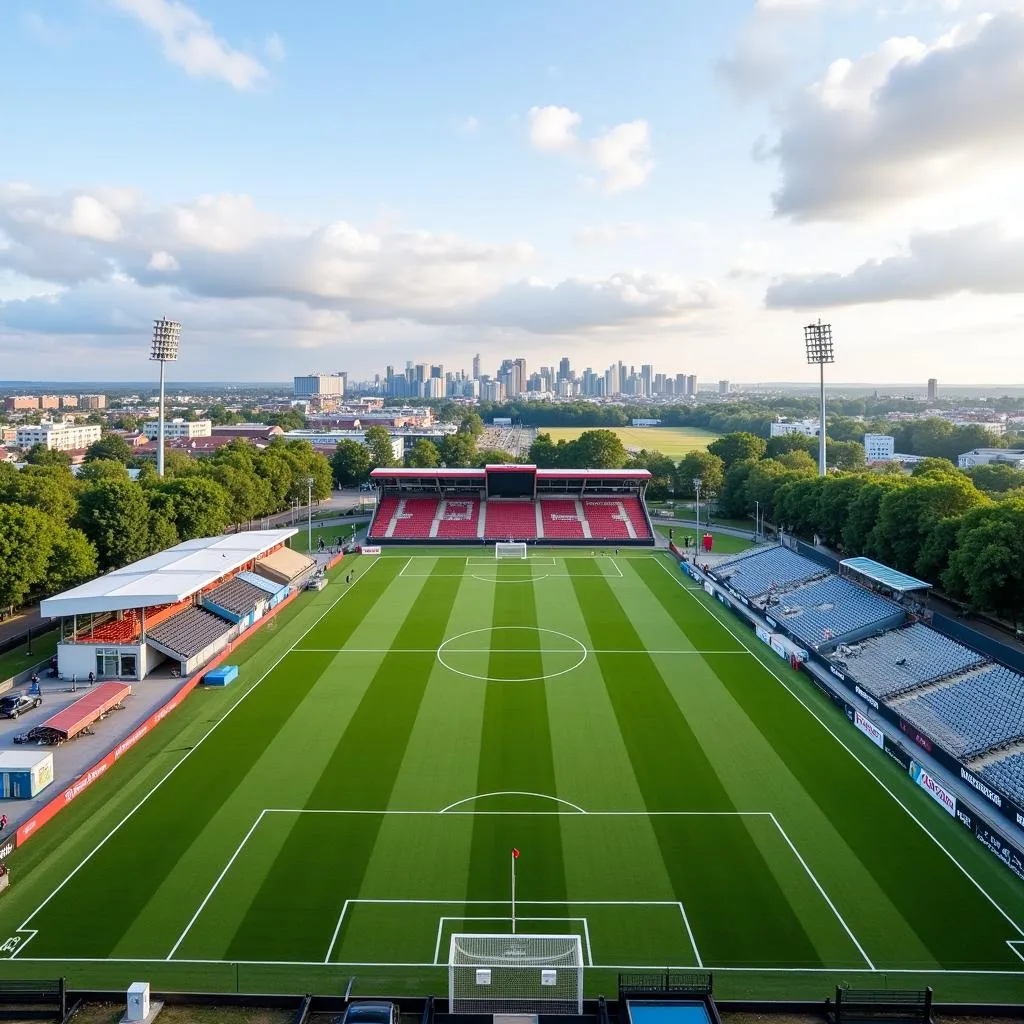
column 286, row 919
column 79, row 922
column 674, row 774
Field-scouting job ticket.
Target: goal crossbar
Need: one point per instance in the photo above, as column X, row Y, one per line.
column 510, row 549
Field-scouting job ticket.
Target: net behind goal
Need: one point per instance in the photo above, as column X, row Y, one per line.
column 510, row 549
column 515, row 974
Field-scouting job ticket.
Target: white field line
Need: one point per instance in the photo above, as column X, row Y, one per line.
column 589, row 814
column 712, row 611
column 213, row 888
column 586, row 942
column 824, row 895
column 496, row 650
column 337, row 931
column 440, row 931
column 185, row 757
column 689, row 932
column 1013, row 944
column 513, row 792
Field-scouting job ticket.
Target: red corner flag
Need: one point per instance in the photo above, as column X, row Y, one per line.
column 515, row 854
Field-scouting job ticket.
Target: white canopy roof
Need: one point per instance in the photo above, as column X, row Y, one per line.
column 166, row 577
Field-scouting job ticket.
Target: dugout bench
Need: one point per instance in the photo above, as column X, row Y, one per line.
column 886, row 1006
column 33, row 1000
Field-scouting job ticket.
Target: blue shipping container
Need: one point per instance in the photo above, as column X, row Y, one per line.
column 221, row 676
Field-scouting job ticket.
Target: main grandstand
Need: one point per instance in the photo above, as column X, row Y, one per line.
column 959, row 699
column 511, row 503
column 185, row 604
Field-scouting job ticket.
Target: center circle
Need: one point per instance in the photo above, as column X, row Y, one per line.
column 509, row 654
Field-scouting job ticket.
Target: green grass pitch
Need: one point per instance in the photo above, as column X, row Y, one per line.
column 678, row 795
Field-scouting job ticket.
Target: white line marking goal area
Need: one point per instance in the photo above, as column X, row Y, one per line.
column 625, row 916
column 490, row 570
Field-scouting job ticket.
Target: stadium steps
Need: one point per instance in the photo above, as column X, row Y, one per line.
column 395, row 518
column 939, row 684
column 481, row 520
column 442, row 507
column 540, row 518
column 984, row 760
column 582, row 516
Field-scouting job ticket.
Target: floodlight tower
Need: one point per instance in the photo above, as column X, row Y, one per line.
column 818, row 340
column 166, row 336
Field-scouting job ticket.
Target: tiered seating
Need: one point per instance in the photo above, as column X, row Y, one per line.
column 117, row 631
column 775, row 569
column 826, row 611
column 561, row 519
column 510, row 519
column 983, row 711
column 609, row 519
column 1007, row 775
column 903, row 659
column 385, row 513
column 414, row 518
column 460, row 518
column 635, row 511
column 189, row 632
column 237, row 596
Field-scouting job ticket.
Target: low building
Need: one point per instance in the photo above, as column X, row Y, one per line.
column 879, row 447
column 69, row 401
column 59, row 436
column 92, row 401
column 248, row 431
column 177, row 428
column 782, row 428
column 326, row 441
column 984, row 456
column 21, row 403
column 49, row 401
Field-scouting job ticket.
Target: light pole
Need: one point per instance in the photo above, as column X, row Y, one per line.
column 309, row 515
column 697, row 481
column 757, row 517
column 166, row 337
column 818, row 341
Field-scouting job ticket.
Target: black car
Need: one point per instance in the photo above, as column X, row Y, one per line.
column 14, row 704
column 370, row 1012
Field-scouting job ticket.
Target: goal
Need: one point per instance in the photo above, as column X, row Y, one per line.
column 490, row 974
column 510, row 549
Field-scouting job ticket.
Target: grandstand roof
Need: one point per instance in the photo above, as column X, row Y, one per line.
column 885, row 576
column 543, row 474
column 167, row 577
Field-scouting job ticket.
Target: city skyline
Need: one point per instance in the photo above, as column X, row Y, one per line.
column 347, row 188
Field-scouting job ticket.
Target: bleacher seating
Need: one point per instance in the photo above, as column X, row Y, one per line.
column 904, row 659
column 615, row 518
column 515, row 519
column 460, row 517
column 118, row 631
column 824, row 612
column 189, row 632
column 561, row 519
column 635, row 510
column 237, row 596
column 982, row 711
column 776, row 568
column 1007, row 774
column 385, row 513
column 414, row 517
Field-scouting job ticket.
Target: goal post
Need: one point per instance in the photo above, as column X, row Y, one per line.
column 536, row 974
column 510, row 549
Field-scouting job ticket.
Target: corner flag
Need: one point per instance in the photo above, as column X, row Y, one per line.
column 515, row 853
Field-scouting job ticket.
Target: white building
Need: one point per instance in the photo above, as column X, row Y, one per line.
column 330, row 438
column 178, row 428
column 62, row 437
column 983, row 456
column 315, row 385
column 879, row 447
column 809, row 428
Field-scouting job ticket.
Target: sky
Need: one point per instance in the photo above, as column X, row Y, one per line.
column 332, row 185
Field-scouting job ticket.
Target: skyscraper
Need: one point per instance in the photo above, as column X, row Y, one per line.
column 564, row 372
column 476, row 366
column 933, row 389
column 691, row 385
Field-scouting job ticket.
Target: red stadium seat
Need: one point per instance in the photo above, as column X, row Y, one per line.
column 510, row 520
column 562, row 519
column 460, row 517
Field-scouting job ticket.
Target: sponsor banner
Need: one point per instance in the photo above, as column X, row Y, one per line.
column 778, row 648
column 976, row 784
column 965, row 816
column 745, row 601
column 1005, row 851
column 897, row 753
column 865, row 696
column 771, row 622
column 763, row 635
column 869, row 729
column 7, row 848
column 1020, row 819
column 922, row 741
column 933, row 788
column 48, row 811
column 370, row 549
column 839, row 675
column 708, row 589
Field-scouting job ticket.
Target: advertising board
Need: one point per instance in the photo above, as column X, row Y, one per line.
column 370, row 549
column 897, row 753
column 978, row 786
column 778, row 648
column 839, row 675
column 1004, row 850
column 922, row 741
column 763, row 635
column 869, row 729
column 933, row 788
column 866, row 697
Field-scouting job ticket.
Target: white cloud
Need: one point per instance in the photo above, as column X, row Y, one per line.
column 223, row 249
column 594, row 235
column 190, row 42
column 273, row 47
column 468, row 125
column 980, row 259
column 621, row 155
column 906, row 121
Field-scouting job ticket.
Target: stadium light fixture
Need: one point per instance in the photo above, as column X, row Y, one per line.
column 818, row 341
column 309, row 515
column 697, row 481
column 166, row 338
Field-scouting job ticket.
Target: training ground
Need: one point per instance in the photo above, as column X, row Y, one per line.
column 679, row 796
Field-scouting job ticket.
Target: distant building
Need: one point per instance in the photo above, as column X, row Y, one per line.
column 645, row 423
column 723, row 387
column 92, row 401
column 60, row 437
column 933, row 389
column 879, row 447
column 21, row 403
column 809, row 428
column 691, row 385
column 263, row 432
column 985, row 456
column 476, row 366
column 316, row 386
column 69, row 401
column 177, row 428
column 49, row 402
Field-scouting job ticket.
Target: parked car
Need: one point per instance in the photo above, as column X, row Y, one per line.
column 370, row 1012
column 14, row 704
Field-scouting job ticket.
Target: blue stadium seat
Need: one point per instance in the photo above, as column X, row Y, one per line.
column 1007, row 775
column 776, row 568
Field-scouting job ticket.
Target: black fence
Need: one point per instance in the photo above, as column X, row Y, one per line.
column 22, row 639
column 665, row 983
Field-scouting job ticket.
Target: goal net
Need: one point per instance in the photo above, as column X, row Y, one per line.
column 510, row 549
column 490, row 974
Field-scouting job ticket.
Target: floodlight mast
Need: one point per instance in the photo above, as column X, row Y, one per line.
column 166, row 336
column 818, row 341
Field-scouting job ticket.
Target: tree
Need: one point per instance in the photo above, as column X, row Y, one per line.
column 472, row 424
column 51, row 489
column 740, row 446
column 26, row 539
column 863, row 511
column 197, row 506
column 103, row 469
column 996, row 477
column 544, row 453
column 599, row 449
column 40, row 455
column 844, row 454
column 423, row 455
column 378, row 441
column 492, row 457
column 115, row 517
column 702, row 465
column 72, row 560
column 733, row 500
column 767, row 476
column 797, row 460
column 110, row 446
column 248, row 495
column 662, row 470
column 457, row 450
column 351, row 463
